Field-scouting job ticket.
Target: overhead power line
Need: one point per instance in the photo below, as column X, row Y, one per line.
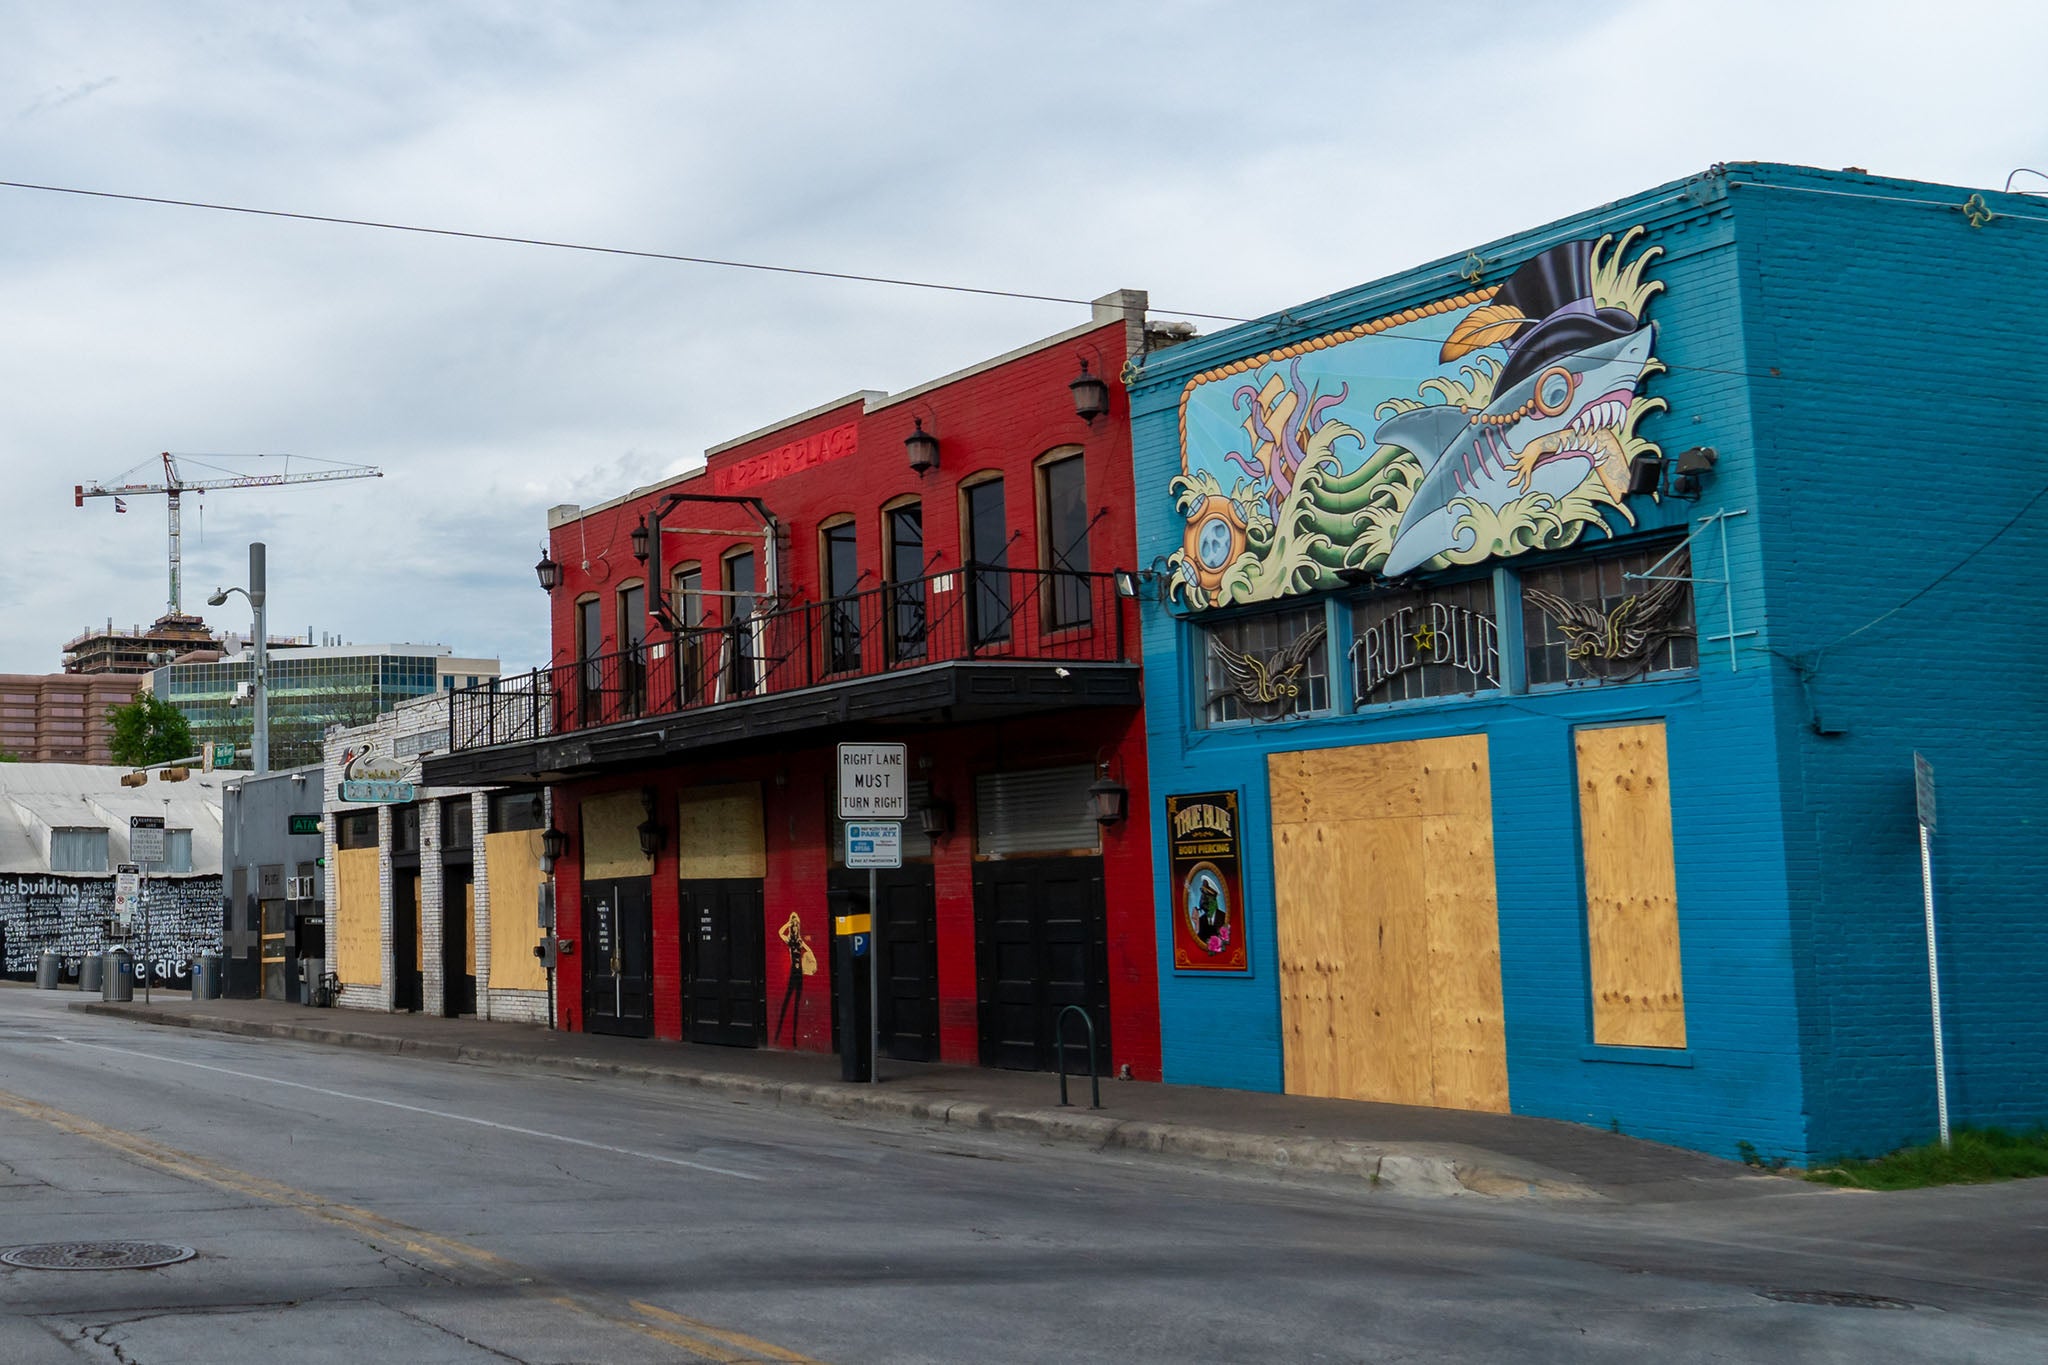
column 597, row 250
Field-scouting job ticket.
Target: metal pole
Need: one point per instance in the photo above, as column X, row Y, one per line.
column 145, row 938
column 1934, row 985
column 260, row 744
column 874, row 984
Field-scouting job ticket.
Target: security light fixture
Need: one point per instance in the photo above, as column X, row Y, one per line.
column 1107, row 798
column 639, row 539
column 1692, row 468
column 921, row 447
column 1091, row 395
column 549, row 572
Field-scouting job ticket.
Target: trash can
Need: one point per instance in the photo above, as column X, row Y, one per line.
column 206, row 977
column 49, row 970
column 117, row 976
column 89, row 973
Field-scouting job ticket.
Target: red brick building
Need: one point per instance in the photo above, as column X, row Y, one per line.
column 933, row 567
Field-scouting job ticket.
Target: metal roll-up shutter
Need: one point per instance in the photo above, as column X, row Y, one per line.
column 1043, row 810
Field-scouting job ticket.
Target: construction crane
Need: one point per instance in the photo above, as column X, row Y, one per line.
column 175, row 485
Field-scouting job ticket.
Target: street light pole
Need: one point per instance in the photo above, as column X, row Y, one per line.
column 261, row 742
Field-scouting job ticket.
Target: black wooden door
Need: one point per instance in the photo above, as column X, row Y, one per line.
column 907, row 936
column 408, row 991
column 458, row 977
column 618, row 957
column 725, row 999
column 1041, row 944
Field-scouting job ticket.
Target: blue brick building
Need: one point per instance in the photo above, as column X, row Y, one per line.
column 1537, row 645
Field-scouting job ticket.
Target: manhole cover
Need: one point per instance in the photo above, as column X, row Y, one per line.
column 96, row 1255
column 1833, row 1298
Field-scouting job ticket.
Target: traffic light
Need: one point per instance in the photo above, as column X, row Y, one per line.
column 134, row 779
column 173, row 774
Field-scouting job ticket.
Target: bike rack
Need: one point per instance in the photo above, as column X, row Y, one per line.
column 1059, row 1052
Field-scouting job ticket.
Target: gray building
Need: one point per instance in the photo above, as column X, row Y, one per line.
column 275, row 893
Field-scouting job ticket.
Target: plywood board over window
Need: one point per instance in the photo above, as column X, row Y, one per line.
column 1631, row 886
column 512, row 863
column 718, row 833
column 1388, row 928
column 358, row 918
column 611, row 836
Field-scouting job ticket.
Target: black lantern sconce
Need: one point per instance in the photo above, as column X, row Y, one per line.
column 921, row 448
column 652, row 835
column 935, row 818
column 1091, row 394
column 549, row 572
column 639, row 539
column 1108, row 798
column 553, row 844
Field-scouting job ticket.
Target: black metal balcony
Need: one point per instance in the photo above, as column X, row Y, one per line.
column 948, row 646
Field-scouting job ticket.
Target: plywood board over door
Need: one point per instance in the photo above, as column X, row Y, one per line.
column 1389, row 931
column 358, row 918
column 1631, row 886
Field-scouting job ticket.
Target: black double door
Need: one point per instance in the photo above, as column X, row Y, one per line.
column 725, row 999
column 408, row 989
column 907, row 938
column 1041, row 944
column 458, row 926
column 618, row 957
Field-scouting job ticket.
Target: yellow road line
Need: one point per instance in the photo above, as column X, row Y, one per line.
column 701, row 1339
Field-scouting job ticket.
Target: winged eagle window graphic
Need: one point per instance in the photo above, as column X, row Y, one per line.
column 1271, row 687
column 1621, row 641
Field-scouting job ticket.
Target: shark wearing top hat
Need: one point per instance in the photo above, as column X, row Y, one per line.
column 1558, row 411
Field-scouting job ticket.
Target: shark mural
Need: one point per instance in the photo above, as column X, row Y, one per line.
column 1488, row 423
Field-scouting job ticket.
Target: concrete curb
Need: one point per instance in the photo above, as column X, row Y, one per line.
column 1405, row 1170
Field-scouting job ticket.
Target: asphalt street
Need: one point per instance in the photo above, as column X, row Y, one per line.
column 353, row 1206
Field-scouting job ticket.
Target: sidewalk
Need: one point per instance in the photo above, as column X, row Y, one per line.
column 1400, row 1149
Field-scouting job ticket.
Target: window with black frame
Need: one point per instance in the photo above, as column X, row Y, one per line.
column 742, row 664
column 988, row 554
column 1063, row 491
column 689, row 645
column 1265, row 668
column 589, row 648
column 904, row 527
column 840, row 553
column 1589, row 621
column 632, row 649
column 1440, row 641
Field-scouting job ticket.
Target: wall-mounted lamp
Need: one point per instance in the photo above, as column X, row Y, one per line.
column 553, row 844
column 639, row 539
column 1135, row 583
column 651, row 835
column 935, row 817
column 1679, row 477
column 549, row 572
column 1107, row 797
column 921, row 448
column 1091, row 394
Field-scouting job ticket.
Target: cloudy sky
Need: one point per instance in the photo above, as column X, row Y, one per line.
column 1231, row 158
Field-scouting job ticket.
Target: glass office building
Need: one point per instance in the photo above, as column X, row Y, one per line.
column 311, row 689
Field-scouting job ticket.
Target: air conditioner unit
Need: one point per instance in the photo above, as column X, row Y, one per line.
column 298, row 888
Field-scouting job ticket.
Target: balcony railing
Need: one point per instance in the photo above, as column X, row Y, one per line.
column 974, row 613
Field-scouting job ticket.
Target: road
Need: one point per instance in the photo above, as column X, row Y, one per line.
column 352, row 1206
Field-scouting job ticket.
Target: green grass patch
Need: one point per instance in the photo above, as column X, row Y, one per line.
column 1974, row 1156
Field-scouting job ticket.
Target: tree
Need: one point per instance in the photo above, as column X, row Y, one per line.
column 149, row 730
column 6, row 757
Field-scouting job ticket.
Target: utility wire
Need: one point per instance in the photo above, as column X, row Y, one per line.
column 1943, row 577
column 596, row 250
